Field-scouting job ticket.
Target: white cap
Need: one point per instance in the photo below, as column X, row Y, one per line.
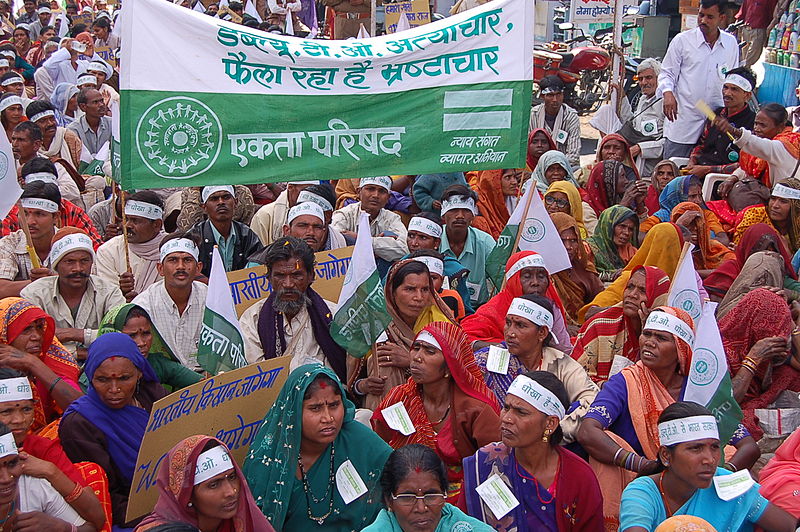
column 179, row 245
column 69, row 243
column 208, row 191
column 308, row 208
column 86, row 78
column 382, row 181
column 425, row 226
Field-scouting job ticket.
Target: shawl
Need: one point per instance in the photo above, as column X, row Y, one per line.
column 647, row 396
column 148, row 252
column 571, row 289
column 676, row 191
column 760, row 314
column 759, row 214
column 575, row 202
column 651, row 201
column 114, row 321
column 271, row 331
column 610, row 333
column 60, row 100
column 661, row 248
column 15, row 316
column 123, row 427
column 601, row 189
column 548, row 159
column 759, row 168
column 271, row 464
column 488, row 321
column 780, row 476
column 64, row 139
column 721, row 279
column 491, row 203
column 466, row 375
column 712, row 252
column 606, row 253
column 752, row 215
column 175, row 482
column 530, row 161
column 451, row 520
column 627, row 160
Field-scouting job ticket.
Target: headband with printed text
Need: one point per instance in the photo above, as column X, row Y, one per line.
column 537, row 396
column 381, row 180
column 423, row 225
column 661, row 321
column 782, row 191
column 687, row 429
column 43, row 114
column 10, row 102
column 179, row 245
column 738, row 81
column 531, row 311
column 7, row 445
column 144, row 210
column 208, row 191
column 15, row 389
column 529, row 261
column 86, row 78
column 459, row 202
column 73, row 242
column 306, row 196
column 11, row 80
column 45, row 177
column 211, row 463
column 309, row 208
column 434, row 265
column 39, row 203
column 428, row 338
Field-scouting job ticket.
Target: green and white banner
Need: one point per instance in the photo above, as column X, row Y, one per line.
column 206, row 101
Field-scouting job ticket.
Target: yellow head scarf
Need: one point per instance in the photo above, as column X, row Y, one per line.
column 575, row 203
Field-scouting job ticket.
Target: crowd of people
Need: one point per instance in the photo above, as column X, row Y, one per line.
column 544, row 401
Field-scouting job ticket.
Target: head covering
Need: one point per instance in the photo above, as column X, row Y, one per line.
column 272, row 461
column 530, row 161
column 685, row 523
column 488, row 321
column 601, row 189
column 175, row 484
column 492, row 203
column 606, row 253
column 15, row 316
column 571, row 291
column 210, row 190
column 712, row 253
column 575, row 202
column 721, row 279
column 115, row 319
column 123, row 427
column 676, row 191
column 653, row 192
column 610, row 333
column 794, row 215
column 548, row 159
column 383, row 181
column 466, row 374
column 60, row 99
column 67, row 240
column 661, row 248
column 627, row 160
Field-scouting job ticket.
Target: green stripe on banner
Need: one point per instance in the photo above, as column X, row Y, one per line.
column 194, row 139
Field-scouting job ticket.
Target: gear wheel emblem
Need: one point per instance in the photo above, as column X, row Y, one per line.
column 179, row 138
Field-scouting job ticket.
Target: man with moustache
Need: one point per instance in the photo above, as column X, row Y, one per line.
column 294, row 320
column 76, row 299
column 236, row 242
column 176, row 304
column 306, row 221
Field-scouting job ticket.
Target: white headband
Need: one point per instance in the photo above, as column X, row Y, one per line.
column 86, row 78
column 39, row 203
column 98, row 66
column 211, row 463
column 308, row 208
column 531, row 311
column 661, row 321
column 9, row 53
column 306, row 182
column 144, row 210
column 459, row 202
column 4, row 63
column 529, row 261
column 434, row 265
column 46, row 177
column 782, row 191
column 382, row 181
column 44, row 10
column 423, row 225
column 687, row 429
column 428, row 338
column 208, row 191
column 306, row 196
column 10, row 102
column 15, row 389
column 11, row 80
column 73, row 242
column 738, row 81
column 43, row 114
column 179, row 245
column 537, row 396
column 7, row 445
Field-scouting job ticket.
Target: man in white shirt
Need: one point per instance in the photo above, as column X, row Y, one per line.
column 176, row 304
column 694, row 69
column 269, row 220
column 558, row 118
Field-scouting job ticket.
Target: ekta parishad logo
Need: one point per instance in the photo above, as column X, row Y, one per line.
column 179, row 138
column 689, row 300
column 533, row 231
column 4, row 165
column 705, row 367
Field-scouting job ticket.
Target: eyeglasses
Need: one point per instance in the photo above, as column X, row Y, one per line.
column 429, row 499
column 558, row 202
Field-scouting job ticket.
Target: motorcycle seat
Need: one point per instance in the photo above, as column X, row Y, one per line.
column 567, row 58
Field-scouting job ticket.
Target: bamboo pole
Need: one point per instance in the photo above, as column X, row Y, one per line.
column 125, row 234
column 23, row 223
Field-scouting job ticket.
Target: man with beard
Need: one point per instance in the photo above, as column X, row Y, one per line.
column 236, row 242
column 176, row 304
column 145, row 228
column 294, row 320
column 75, row 299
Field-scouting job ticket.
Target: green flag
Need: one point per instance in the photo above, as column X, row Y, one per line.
column 361, row 316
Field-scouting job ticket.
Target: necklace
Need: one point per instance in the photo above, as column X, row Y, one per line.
column 310, row 494
column 664, row 495
column 523, row 474
column 446, row 412
column 10, row 511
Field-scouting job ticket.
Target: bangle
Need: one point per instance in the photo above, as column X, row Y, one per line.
column 74, row 494
column 730, row 466
column 796, row 331
column 752, row 360
column 53, row 385
column 616, row 455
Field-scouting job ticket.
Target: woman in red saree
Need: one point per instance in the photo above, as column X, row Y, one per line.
column 710, row 252
column 443, row 371
column 539, row 141
column 28, row 344
column 498, row 191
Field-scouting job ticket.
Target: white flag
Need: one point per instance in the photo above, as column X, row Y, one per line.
column 250, row 9
column 362, row 32
column 199, row 7
column 402, row 23
column 538, row 233
column 289, row 27
column 709, row 365
column 683, row 292
column 63, row 25
column 10, row 191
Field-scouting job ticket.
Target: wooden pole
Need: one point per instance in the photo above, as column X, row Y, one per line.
column 373, row 20
column 532, row 189
column 125, row 234
column 23, row 223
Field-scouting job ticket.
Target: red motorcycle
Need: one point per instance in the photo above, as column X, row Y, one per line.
column 585, row 70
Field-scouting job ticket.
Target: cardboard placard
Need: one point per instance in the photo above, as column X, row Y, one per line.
column 230, row 407
column 107, row 55
column 418, row 13
column 83, row 18
column 251, row 285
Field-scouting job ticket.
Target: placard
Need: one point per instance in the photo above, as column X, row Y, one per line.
column 583, row 11
column 417, row 12
column 230, row 407
column 251, row 285
column 107, row 55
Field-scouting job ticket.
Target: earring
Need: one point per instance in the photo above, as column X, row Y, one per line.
column 190, row 505
column 546, row 437
column 446, row 375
